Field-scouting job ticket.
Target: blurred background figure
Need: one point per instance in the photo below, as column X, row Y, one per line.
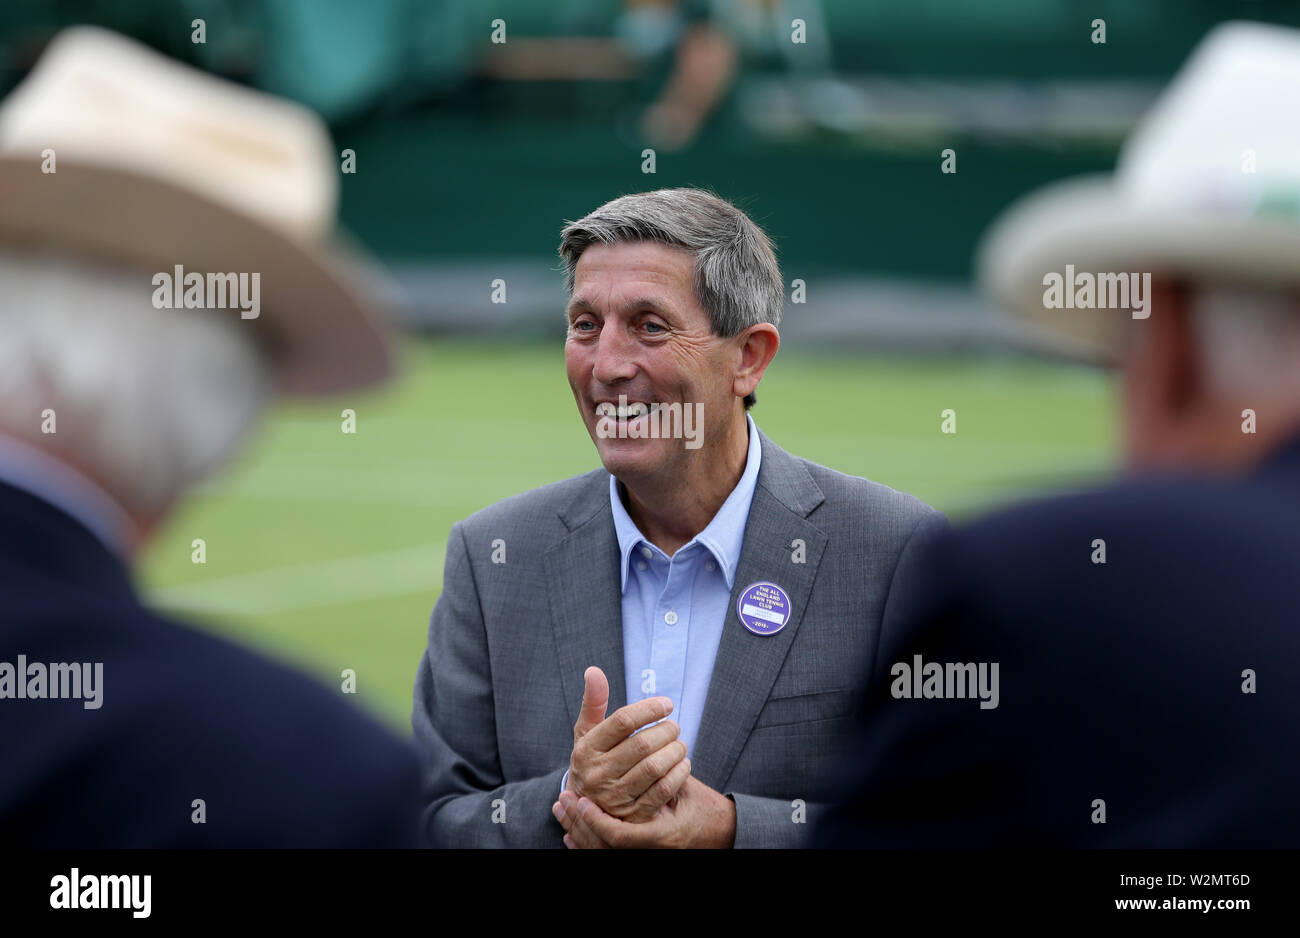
column 1133, row 644
column 880, row 139
column 166, row 271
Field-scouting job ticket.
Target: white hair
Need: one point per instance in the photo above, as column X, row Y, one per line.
column 1248, row 339
column 146, row 401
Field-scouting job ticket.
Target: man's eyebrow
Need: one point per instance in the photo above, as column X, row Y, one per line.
column 642, row 302
column 650, row 303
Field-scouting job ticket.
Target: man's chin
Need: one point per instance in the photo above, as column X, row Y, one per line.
column 631, row 459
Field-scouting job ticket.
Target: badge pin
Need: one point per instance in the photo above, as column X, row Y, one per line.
column 764, row 608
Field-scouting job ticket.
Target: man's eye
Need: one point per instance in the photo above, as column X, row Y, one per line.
column 655, row 327
column 578, row 326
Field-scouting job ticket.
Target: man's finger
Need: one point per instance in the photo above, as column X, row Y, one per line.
column 661, row 793
column 595, row 698
column 644, row 773
column 624, row 758
column 561, row 815
column 579, row 836
column 593, row 824
column 625, row 721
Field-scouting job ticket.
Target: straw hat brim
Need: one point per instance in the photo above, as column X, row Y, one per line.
column 1089, row 223
column 322, row 336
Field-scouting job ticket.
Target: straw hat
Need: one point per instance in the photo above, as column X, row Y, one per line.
column 1206, row 187
column 158, row 165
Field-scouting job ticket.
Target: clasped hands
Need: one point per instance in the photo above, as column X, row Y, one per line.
column 635, row 789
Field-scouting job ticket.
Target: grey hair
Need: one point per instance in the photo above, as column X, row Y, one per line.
column 737, row 278
column 147, row 401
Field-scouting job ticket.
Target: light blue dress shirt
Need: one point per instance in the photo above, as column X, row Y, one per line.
column 675, row 608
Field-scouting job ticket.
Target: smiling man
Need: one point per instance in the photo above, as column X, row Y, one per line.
column 663, row 651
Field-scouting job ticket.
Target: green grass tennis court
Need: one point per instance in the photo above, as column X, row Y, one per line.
column 325, row 549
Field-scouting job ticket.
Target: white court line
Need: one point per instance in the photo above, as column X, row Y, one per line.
column 309, row 585
column 373, row 576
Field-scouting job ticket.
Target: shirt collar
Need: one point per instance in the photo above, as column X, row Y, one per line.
column 722, row 537
column 28, row 468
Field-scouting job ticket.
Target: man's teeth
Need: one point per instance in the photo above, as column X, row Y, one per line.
column 626, row 412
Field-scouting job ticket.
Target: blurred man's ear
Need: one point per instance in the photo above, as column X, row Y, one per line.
column 1176, row 352
column 1163, row 376
column 1162, row 367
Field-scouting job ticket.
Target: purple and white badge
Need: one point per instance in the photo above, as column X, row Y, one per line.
column 764, row 608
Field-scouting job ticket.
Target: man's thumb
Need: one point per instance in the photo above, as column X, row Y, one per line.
column 595, row 698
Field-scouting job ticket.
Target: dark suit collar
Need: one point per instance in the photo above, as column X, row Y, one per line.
column 787, row 479
column 1284, row 459
column 592, row 495
column 45, row 540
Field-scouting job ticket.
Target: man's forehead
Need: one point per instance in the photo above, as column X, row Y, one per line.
column 646, row 261
column 650, row 275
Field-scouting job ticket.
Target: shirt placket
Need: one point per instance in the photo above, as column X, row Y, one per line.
column 670, row 628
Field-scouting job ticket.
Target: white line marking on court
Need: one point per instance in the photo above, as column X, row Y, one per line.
column 309, row 585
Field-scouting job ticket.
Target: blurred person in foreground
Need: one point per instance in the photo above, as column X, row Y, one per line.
column 703, row 572
column 1146, row 635
column 120, row 728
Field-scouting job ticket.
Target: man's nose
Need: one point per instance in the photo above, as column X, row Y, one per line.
column 615, row 359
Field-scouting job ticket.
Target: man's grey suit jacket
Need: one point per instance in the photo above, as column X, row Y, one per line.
column 499, row 686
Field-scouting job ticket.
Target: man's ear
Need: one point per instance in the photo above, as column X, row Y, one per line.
column 1162, row 368
column 757, row 347
column 1174, row 351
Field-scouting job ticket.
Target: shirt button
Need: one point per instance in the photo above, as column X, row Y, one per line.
column 710, row 565
column 647, row 552
column 640, row 564
column 670, row 617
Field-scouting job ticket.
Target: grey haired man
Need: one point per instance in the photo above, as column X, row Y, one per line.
column 670, row 655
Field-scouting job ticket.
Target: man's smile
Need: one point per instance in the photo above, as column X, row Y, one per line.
column 625, row 409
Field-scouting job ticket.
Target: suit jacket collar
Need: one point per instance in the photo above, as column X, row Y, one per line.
column 1284, row 459
column 41, row 538
column 27, row 467
column 587, row 614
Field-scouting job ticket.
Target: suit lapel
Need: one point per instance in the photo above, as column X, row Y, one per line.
column 586, row 605
column 747, row 664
